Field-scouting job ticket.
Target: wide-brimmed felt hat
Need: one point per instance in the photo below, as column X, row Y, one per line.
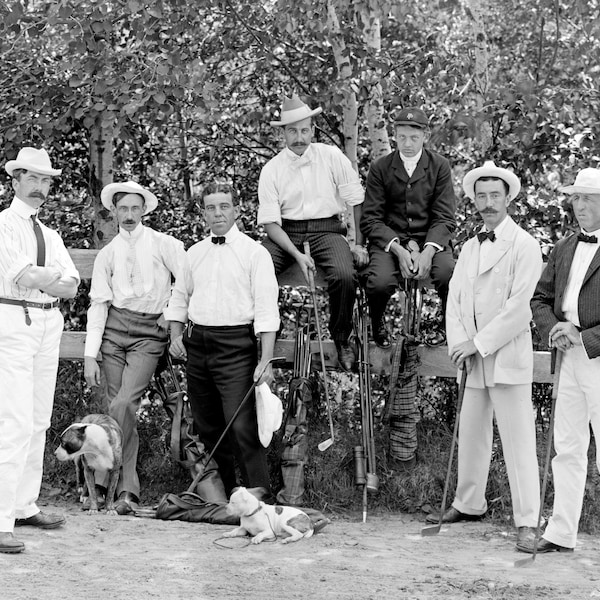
column 586, row 182
column 489, row 169
column 32, row 159
column 294, row 110
column 414, row 117
column 129, row 187
column 269, row 413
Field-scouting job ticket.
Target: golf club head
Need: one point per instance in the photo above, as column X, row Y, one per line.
column 524, row 562
column 431, row 530
column 325, row 445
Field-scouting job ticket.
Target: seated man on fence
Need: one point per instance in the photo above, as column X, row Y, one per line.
column 303, row 192
column 131, row 285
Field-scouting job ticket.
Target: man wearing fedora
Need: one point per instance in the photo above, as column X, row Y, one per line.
column 35, row 271
column 566, row 310
column 408, row 220
column 487, row 322
column 131, row 285
column 303, row 192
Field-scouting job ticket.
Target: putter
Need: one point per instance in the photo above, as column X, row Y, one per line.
column 325, row 444
column 233, row 418
column 556, row 364
column 435, row 529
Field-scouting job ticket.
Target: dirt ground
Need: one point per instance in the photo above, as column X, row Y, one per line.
column 98, row 557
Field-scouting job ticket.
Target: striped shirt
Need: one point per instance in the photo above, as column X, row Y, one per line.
column 18, row 252
column 159, row 257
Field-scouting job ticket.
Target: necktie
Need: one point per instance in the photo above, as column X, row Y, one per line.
column 135, row 274
column 41, row 244
column 218, row 239
column 588, row 239
column 486, row 235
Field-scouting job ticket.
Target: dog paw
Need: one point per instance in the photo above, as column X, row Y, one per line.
column 256, row 540
column 111, row 512
column 92, row 511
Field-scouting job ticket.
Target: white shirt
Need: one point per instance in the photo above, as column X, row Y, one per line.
column 316, row 185
column 410, row 162
column 226, row 284
column 159, row 257
column 18, row 252
column 486, row 246
column 584, row 253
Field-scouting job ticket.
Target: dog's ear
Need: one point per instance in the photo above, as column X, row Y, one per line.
column 259, row 492
column 80, row 430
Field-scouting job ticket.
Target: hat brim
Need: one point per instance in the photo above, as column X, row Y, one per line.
column 12, row 165
column 108, row 192
column 578, row 189
column 411, row 124
column 294, row 116
column 514, row 183
column 269, row 413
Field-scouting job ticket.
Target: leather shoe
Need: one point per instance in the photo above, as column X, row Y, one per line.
column 543, row 546
column 380, row 335
column 404, row 466
column 452, row 516
column 9, row 544
column 127, row 503
column 346, row 356
column 525, row 535
column 42, row 520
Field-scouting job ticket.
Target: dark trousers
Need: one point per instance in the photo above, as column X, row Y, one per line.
column 220, row 367
column 131, row 346
column 331, row 252
column 384, row 277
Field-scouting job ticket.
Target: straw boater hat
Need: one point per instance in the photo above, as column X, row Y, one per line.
column 586, row 182
column 129, row 187
column 489, row 169
column 294, row 110
column 34, row 160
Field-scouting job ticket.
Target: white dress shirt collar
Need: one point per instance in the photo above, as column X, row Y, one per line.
column 230, row 236
column 22, row 208
column 132, row 235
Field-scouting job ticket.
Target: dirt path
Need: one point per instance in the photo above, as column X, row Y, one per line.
column 99, row 557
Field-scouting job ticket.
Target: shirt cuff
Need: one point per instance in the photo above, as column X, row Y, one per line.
column 387, row 248
column 480, row 348
column 436, row 246
column 93, row 341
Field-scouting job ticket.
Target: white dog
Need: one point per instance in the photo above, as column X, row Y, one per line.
column 263, row 521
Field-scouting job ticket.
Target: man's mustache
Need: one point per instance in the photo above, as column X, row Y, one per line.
column 128, row 222
column 488, row 211
column 38, row 195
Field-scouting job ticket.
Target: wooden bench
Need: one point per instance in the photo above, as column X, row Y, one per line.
column 434, row 361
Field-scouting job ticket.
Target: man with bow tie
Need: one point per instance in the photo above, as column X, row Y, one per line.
column 302, row 193
column 225, row 296
column 35, row 271
column 131, row 285
column 566, row 310
column 488, row 328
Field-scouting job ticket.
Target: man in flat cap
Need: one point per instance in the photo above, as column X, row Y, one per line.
column 487, row 322
column 35, row 271
column 303, row 192
column 408, row 220
column 566, row 310
column 131, row 286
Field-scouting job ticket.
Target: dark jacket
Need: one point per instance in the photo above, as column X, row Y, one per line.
column 547, row 300
column 421, row 208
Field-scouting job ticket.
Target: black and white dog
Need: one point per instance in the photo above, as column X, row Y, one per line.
column 94, row 444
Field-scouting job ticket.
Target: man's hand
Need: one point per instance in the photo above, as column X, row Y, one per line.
column 462, row 353
column 267, row 376
column 306, row 264
column 422, row 262
column 177, row 349
column 564, row 335
column 404, row 260
column 91, row 371
column 360, row 255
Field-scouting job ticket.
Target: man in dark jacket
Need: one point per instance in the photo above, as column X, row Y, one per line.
column 408, row 218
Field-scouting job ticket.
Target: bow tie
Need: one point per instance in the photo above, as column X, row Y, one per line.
column 486, row 235
column 589, row 239
column 218, row 239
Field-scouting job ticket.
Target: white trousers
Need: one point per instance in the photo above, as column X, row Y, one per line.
column 515, row 418
column 577, row 405
column 28, row 367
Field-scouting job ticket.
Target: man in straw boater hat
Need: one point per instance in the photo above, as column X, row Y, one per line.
column 488, row 328
column 225, row 297
column 566, row 310
column 302, row 194
column 35, row 271
column 131, row 285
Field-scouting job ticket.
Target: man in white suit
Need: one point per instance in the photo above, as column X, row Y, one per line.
column 488, row 320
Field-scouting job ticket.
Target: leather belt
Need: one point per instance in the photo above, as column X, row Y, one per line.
column 30, row 303
column 27, row 304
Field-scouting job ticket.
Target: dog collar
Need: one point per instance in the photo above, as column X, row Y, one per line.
column 255, row 511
